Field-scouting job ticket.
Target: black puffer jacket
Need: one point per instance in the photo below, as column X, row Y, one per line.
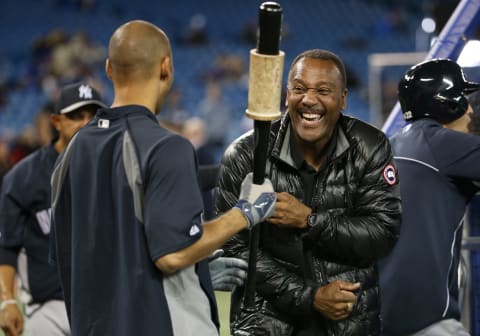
column 358, row 207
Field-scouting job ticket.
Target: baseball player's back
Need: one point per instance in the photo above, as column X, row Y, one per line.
column 108, row 242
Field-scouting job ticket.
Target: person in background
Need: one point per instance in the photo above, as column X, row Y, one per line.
column 216, row 112
column 25, row 223
column 130, row 245
column 474, row 100
column 44, row 129
column 195, row 130
column 337, row 210
column 438, row 166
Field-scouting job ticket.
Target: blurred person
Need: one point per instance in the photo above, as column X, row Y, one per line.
column 23, row 144
column 474, row 100
column 195, row 130
column 5, row 160
column 130, row 245
column 3, row 93
column 215, row 110
column 196, row 32
column 44, row 129
column 337, row 211
column 25, row 223
column 173, row 114
column 85, row 50
column 438, row 167
column 226, row 67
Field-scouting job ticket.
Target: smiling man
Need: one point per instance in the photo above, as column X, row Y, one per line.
column 337, row 210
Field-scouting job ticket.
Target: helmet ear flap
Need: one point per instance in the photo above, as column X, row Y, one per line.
column 448, row 109
column 461, row 106
column 407, row 114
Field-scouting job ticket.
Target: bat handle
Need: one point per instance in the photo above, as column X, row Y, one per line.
column 262, row 130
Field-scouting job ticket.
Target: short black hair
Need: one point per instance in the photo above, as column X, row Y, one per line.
column 322, row 55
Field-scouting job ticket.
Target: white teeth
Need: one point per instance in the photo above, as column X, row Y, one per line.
column 311, row 116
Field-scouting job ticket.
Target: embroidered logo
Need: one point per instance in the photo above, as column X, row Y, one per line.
column 390, row 174
column 44, row 220
column 85, row 92
column 103, row 123
column 194, row 230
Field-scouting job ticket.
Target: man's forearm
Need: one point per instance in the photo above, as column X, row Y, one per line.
column 215, row 233
column 7, row 282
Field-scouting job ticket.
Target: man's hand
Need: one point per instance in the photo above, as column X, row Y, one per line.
column 289, row 212
column 11, row 320
column 256, row 201
column 226, row 273
column 336, row 300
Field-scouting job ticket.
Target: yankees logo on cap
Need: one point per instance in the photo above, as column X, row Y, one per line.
column 390, row 174
column 85, row 91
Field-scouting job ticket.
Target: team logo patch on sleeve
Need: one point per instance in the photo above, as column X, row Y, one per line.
column 390, row 174
column 194, row 230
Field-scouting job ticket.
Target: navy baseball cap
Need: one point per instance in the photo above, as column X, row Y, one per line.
column 77, row 95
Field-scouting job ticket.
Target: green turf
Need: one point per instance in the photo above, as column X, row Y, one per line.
column 223, row 302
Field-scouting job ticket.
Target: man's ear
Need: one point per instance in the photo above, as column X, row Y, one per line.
column 108, row 69
column 55, row 121
column 166, row 68
column 344, row 100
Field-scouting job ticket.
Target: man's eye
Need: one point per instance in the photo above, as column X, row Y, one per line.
column 299, row 89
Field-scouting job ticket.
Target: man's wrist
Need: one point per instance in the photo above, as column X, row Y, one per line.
column 5, row 303
column 245, row 209
column 244, row 216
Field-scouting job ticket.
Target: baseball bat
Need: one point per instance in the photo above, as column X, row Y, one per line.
column 264, row 91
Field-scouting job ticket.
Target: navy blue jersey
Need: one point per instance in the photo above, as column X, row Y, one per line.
column 25, row 220
column 125, row 192
column 437, row 168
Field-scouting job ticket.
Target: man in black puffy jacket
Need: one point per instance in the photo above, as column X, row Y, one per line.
column 337, row 212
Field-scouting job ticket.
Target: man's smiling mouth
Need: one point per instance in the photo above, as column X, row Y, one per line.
column 311, row 116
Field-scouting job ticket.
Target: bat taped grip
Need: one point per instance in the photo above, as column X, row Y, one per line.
column 265, row 86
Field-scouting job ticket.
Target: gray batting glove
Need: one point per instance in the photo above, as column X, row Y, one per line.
column 226, row 273
column 256, row 201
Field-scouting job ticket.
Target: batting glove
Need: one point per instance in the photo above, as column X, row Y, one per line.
column 226, row 273
column 256, row 201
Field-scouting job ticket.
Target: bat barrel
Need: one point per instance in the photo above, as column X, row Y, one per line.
column 270, row 26
column 266, row 66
